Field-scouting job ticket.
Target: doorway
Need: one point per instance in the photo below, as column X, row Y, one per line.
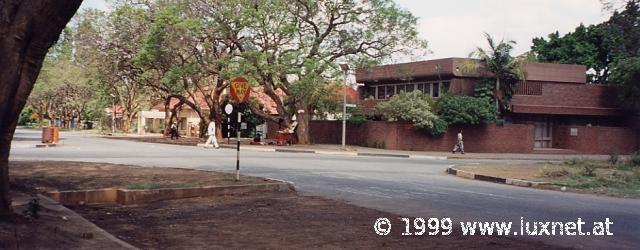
column 542, row 137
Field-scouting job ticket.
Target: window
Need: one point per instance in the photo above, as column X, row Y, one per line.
column 400, row 88
column 435, row 89
column 420, row 87
column 390, row 91
column 381, row 92
column 427, row 89
column 445, row 87
column 369, row 92
column 409, row 88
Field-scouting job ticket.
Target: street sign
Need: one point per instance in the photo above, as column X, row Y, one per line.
column 350, row 105
column 228, row 108
column 240, row 89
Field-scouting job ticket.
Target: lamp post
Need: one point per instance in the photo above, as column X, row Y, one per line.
column 345, row 69
column 113, row 114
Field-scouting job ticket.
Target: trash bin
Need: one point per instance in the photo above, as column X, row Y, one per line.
column 50, row 135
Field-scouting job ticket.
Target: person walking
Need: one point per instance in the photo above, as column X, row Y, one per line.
column 174, row 131
column 459, row 144
column 211, row 132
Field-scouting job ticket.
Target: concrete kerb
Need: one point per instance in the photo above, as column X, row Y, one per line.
column 494, row 179
column 71, row 215
column 129, row 196
column 328, row 152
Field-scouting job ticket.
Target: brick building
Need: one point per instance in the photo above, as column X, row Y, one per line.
column 554, row 110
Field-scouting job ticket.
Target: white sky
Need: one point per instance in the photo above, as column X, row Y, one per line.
column 454, row 28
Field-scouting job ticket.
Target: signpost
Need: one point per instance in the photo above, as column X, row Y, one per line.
column 228, row 109
column 240, row 91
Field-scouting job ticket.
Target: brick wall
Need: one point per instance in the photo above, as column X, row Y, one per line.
column 511, row 138
column 596, row 140
column 569, row 95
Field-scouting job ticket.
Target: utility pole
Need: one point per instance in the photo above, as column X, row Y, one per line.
column 345, row 69
column 113, row 114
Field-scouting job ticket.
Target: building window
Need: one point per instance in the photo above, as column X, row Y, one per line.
column 435, row 89
column 400, row 88
column 390, row 91
column 445, row 87
column 420, row 87
column 409, row 88
column 381, row 92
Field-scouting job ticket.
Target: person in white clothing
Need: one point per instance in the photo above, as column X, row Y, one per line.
column 211, row 132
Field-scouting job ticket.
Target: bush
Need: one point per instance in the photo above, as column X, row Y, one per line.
column 614, row 158
column 466, row 110
column 357, row 119
column 440, row 127
column 411, row 107
column 634, row 160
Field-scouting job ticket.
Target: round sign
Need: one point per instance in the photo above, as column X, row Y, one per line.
column 228, row 108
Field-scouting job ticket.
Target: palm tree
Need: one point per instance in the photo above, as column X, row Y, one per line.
column 497, row 59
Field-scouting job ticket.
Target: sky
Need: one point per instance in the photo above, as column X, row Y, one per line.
column 454, row 28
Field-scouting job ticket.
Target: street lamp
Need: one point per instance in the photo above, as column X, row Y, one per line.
column 113, row 114
column 345, row 69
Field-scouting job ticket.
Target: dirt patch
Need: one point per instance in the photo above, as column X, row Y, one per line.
column 53, row 229
column 272, row 221
column 592, row 177
column 35, row 176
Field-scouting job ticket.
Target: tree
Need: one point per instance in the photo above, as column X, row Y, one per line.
column 626, row 76
column 295, row 45
column 28, row 28
column 413, row 107
column 505, row 68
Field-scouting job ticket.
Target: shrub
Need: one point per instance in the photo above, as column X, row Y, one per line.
column 357, row 119
column 614, row 158
column 466, row 110
column 634, row 160
column 412, row 107
column 439, row 127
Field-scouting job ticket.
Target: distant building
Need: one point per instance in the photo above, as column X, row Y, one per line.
column 555, row 99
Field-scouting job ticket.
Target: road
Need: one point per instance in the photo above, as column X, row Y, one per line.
column 410, row 187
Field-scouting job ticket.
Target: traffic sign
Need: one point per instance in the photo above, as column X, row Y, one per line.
column 350, row 105
column 240, row 89
column 228, row 108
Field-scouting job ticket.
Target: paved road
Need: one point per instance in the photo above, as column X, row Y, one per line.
column 411, row 187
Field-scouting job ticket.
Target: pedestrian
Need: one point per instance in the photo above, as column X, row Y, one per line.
column 174, row 131
column 459, row 144
column 211, row 132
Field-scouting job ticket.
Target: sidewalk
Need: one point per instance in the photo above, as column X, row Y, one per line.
column 333, row 149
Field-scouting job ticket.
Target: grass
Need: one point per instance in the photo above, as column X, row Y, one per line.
column 156, row 185
column 619, row 179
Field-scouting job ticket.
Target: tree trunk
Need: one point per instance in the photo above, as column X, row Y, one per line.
column 167, row 116
column 28, row 28
column 302, row 130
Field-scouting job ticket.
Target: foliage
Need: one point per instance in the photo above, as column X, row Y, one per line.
column 614, row 158
column 357, row 119
column 626, row 75
column 485, row 88
column 440, row 127
column 295, row 46
column 634, row 160
column 507, row 69
column 26, row 116
column 600, row 47
column 465, row 110
column 412, row 107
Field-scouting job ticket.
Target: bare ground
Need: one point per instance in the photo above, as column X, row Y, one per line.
column 266, row 221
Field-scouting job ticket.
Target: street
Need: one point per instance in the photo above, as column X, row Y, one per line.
column 409, row 187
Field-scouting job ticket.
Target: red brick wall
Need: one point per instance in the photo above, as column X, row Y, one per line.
column 596, row 140
column 509, row 138
column 569, row 95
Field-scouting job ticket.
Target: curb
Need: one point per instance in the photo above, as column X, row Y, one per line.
column 54, row 205
column 46, row 145
column 125, row 196
column 494, row 179
column 325, row 152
